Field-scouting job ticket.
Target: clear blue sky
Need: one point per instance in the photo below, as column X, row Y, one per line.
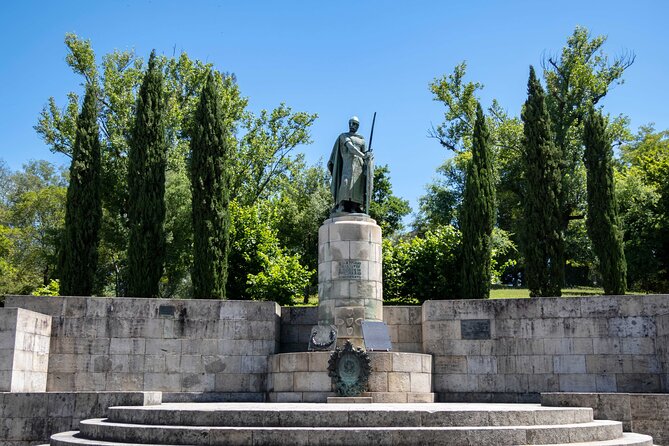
column 336, row 59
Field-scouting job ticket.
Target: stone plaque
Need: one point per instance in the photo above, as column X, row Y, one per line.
column 350, row 269
column 473, row 329
column 376, row 336
column 166, row 310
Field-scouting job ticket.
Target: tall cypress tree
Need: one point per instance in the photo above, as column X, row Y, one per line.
column 146, row 186
column 543, row 241
column 210, row 153
column 83, row 210
column 478, row 215
column 603, row 223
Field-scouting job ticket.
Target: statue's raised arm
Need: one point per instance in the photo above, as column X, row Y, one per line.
column 352, row 173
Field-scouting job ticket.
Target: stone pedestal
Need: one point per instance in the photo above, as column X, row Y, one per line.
column 349, row 275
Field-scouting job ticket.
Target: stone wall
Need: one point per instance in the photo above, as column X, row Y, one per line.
column 662, row 345
column 24, row 350
column 512, row 349
column 404, row 328
column 30, row 418
column 127, row 344
column 641, row 413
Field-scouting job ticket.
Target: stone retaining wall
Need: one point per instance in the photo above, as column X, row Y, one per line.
column 641, row 413
column 404, row 328
column 663, row 348
column 512, row 349
column 30, row 418
column 24, row 350
column 127, row 344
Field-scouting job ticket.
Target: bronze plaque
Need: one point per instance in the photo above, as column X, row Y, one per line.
column 350, row 269
column 474, row 329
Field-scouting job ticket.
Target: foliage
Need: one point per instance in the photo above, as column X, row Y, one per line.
column 32, row 216
column 302, row 204
column 577, row 80
column 387, row 209
column 51, row 289
column 543, row 243
column 211, row 150
column 643, row 196
column 422, row 267
column 478, row 215
column 83, row 212
column 258, row 267
column 147, row 160
column 578, row 77
column 603, row 223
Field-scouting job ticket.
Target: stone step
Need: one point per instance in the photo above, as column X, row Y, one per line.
column 351, row 415
column 71, row 438
column 101, row 429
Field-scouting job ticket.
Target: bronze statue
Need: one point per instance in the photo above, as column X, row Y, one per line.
column 351, row 166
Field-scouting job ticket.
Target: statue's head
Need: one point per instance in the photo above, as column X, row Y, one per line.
column 353, row 124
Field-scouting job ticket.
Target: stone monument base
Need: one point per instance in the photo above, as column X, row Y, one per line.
column 396, row 377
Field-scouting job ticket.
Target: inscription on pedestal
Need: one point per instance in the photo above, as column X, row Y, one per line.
column 350, row 269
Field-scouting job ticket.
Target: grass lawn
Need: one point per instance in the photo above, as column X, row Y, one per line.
column 496, row 293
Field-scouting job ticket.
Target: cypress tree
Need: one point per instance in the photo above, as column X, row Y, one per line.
column 210, row 153
column 146, row 186
column 603, row 224
column 478, row 215
column 83, row 209
column 543, row 241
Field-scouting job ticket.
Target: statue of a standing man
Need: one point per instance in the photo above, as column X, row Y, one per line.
column 352, row 171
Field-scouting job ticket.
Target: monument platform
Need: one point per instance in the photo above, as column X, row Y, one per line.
column 397, row 377
column 349, row 424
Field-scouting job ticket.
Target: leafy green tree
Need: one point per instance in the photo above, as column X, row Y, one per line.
column 83, row 212
column 302, row 204
column 603, row 223
column 579, row 76
column 643, row 195
column 210, row 160
column 263, row 146
column 258, row 267
column 543, row 243
column 147, row 160
column 387, row 209
column 478, row 215
column 576, row 80
column 32, row 213
column 422, row 267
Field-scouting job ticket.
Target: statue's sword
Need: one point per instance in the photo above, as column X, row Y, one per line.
column 369, row 171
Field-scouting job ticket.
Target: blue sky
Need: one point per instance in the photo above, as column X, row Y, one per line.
column 336, row 59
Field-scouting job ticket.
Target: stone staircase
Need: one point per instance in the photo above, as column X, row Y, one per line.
column 349, row 424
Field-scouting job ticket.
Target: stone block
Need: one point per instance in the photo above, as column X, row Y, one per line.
column 166, row 382
column 607, row 346
column 569, row 364
column 479, row 365
column 450, row 364
column 633, row 326
column 381, row 362
column 318, row 361
column 421, row 382
column 606, row 383
column 638, row 382
column 409, row 333
column 282, row 382
column 577, row 382
column 254, row 364
column 399, row 382
column 378, row 382
column 613, row 407
column 312, row 382
column 406, row 362
column 294, row 362
column 125, row 346
column 638, row 346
